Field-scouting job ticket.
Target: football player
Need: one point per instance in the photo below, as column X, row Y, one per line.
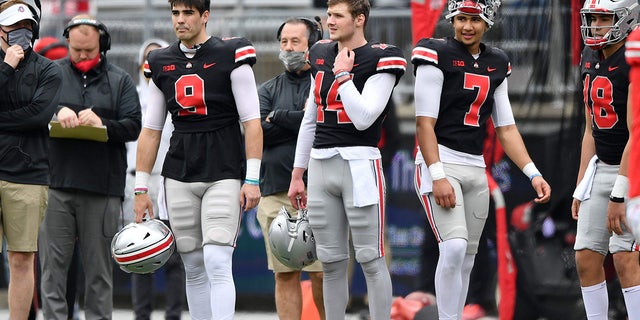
column 352, row 81
column 207, row 85
column 598, row 203
column 460, row 83
column 599, row 198
column 633, row 207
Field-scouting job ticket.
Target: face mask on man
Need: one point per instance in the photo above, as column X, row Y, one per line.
column 293, row 61
column 21, row 37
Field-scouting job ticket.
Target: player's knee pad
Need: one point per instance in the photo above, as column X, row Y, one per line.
column 219, row 236
column 365, row 255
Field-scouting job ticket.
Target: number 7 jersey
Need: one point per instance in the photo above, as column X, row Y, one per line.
column 333, row 126
column 466, row 100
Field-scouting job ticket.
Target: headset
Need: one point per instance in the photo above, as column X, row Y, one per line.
column 314, row 27
column 105, row 37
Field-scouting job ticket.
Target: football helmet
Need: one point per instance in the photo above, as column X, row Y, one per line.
column 291, row 239
column 486, row 9
column 625, row 17
column 143, row 247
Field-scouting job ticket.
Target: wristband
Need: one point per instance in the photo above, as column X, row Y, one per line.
column 142, row 180
column 436, row 170
column 341, row 74
column 138, row 191
column 339, row 71
column 253, row 170
column 531, row 171
column 616, row 199
column 620, row 187
column 254, row 182
column 340, row 82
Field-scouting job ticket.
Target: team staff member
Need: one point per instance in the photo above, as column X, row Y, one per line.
column 598, row 203
column 282, row 100
column 352, row 81
column 460, row 83
column 207, row 85
column 29, row 95
column 87, row 177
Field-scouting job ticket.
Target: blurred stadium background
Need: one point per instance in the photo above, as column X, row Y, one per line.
column 538, row 35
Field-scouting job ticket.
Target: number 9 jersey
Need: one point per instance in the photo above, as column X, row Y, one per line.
column 198, row 95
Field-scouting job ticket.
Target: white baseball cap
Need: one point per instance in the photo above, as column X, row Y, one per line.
column 16, row 13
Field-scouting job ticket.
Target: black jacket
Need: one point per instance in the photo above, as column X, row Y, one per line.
column 98, row 167
column 285, row 95
column 28, row 98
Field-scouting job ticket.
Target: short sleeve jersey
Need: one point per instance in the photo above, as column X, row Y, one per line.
column 466, row 101
column 206, row 144
column 605, row 89
column 333, row 126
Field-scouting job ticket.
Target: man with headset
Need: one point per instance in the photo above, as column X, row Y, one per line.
column 87, row 175
column 282, row 100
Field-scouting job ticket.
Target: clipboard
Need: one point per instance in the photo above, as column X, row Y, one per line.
column 80, row 132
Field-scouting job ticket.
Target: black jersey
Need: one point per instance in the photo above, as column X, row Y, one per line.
column 333, row 126
column 605, row 89
column 466, row 101
column 206, row 144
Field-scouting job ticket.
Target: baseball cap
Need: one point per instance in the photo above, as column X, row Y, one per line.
column 16, row 13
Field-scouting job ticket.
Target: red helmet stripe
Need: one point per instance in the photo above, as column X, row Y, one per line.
column 149, row 252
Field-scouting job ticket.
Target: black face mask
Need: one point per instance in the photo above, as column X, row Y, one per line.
column 21, row 37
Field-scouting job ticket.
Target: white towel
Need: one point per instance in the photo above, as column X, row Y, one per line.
column 426, row 183
column 365, row 190
column 583, row 189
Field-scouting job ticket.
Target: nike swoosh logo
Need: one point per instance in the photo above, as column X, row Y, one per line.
column 491, row 69
column 613, row 68
column 209, row 65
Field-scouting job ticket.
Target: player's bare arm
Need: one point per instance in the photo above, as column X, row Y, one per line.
column 616, row 211
column 443, row 192
column 515, row 149
column 148, row 144
column 250, row 193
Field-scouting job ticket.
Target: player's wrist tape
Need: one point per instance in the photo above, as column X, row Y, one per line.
column 436, row 170
column 254, row 182
column 142, row 180
column 342, row 74
column 620, row 187
column 531, row 171
column 253, row 170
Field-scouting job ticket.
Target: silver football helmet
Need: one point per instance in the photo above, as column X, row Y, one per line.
column 486, row 9
column 625, row 17
column 143, row 247
column 291, row 239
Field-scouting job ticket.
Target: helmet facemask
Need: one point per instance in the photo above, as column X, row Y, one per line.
column 625, row 17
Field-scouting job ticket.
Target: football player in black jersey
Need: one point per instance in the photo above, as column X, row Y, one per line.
column 460, row 83
column 207, row 85
column 599, row 199
column 352, row 81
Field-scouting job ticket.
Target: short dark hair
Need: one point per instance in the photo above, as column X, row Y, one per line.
column 356, row 7
column 200, row 5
